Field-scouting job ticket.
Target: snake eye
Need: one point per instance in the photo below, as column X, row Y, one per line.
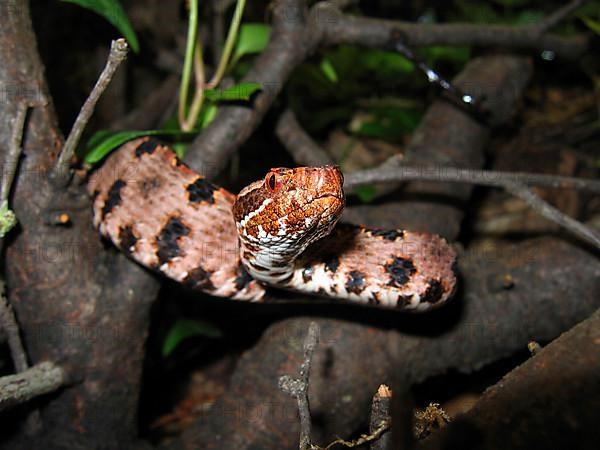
column 271, row 181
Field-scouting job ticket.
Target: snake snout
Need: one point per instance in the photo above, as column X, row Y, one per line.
column 329, row 181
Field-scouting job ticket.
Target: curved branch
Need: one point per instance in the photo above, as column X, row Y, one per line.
column 301, row 146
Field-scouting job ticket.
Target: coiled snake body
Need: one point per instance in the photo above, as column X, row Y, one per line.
column 279, row 231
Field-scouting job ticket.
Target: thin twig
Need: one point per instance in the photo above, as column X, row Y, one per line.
column 550, row 212
column 14, row 152
column 364, row 438
column 557, row 16
column 514, row 183
column 9, row 325
column 229, row 43
column 298, row 387
column 452, row 174
column 118, row 53
column 381, row 413
column 41, row 379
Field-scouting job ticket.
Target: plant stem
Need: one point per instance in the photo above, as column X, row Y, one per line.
column 191, row 43
column 229, row 43
column 189, row 122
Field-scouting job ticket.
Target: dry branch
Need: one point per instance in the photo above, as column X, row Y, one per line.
column 550, row 401
column 298, row 387
column 346, row 29
column 14, row 152
column 299, row 144
column 117, row 54
column 41, row 379
column 381, row 413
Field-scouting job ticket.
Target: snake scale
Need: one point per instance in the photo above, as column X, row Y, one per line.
column 280, row 231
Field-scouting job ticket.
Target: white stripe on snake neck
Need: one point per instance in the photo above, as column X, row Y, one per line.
column 259, row 210
column 272, row 262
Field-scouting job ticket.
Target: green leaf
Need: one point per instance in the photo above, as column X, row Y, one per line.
column 366, row 193
column 591, row 24
column 252, row 38
column 7, row 219
column 112, row 11
column 242, row 91
column 184, row 329
column 102, row 143
column 328, row 69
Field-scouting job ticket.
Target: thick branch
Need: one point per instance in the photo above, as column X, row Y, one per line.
column 75, row 302
column 550, row 401
column 301, row 146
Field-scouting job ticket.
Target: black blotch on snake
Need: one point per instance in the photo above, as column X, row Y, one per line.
column 168, row 248
column 127, row 239
column 388, row 235
column 113, row 197
column 355, row 282
column 199, row 278
column 374, row 299
column 400, row 270
column 403, row 300
column 148, row 146
column 242, row 278
column 201, row 190
column 331, row 263
column 433, row 293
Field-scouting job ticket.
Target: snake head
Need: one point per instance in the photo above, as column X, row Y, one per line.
column 292, row 202
column 279, row 216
